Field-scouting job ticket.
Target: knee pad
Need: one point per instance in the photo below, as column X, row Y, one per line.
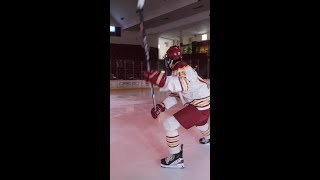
column 171, row 124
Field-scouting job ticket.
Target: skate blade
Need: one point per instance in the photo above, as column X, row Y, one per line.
column 205, row 143
column 177, row 166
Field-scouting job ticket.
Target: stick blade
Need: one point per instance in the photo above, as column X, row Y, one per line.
column 140, row 4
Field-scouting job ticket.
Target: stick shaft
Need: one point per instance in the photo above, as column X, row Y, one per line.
column 146, row 49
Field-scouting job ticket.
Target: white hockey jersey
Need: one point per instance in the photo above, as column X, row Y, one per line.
column 186, row 82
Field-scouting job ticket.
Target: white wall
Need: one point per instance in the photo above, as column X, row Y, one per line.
column 163, row 48
column 199, row 37
column 185, row 39
column 153, row 40
column 176, row 42
column 196, row 37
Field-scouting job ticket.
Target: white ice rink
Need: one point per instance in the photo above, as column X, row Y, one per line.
column 137, row 141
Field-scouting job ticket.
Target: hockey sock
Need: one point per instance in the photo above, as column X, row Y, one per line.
column 173, row 142
column 205, row 131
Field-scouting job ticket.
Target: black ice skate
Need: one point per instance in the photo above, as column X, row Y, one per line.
column 173, row 161
column 204, row 141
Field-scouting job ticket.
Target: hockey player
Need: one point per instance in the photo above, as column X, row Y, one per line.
column 193, row 91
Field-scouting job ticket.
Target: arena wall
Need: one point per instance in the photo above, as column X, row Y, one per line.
column 133, row 84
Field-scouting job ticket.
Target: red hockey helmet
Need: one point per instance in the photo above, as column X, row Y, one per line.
column 173, row 54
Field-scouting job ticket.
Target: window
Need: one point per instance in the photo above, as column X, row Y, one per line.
column 115, row 31
column 112, row 29
column 204, row 37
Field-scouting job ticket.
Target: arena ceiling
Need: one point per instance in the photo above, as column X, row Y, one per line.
column 166, row 18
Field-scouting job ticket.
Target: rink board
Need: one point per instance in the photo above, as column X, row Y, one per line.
column 133, row 84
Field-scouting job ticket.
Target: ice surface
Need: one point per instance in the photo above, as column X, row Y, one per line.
column 137, row 141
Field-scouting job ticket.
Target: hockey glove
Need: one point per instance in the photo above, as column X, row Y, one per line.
column 155, row 77
column 159, row 108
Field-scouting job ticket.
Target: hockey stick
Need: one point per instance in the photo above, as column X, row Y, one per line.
column 140, row 9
